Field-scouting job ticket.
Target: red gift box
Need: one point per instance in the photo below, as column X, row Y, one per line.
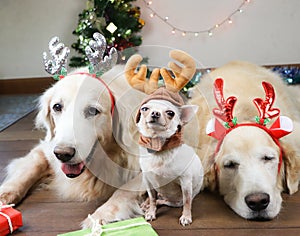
column 10, row 219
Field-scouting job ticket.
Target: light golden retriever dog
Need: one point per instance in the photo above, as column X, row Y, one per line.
column 80, row 150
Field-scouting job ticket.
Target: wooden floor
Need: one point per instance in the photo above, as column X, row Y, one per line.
column 45, row 214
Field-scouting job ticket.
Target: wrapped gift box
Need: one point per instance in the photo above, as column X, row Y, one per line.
column 132, row 227
column 10, row 220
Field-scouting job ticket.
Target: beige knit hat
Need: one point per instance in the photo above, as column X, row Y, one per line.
column 162, row 93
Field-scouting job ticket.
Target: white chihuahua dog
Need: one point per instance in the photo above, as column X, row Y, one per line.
column 172, row 171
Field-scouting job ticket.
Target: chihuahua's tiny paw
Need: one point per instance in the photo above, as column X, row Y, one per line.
column 150, row 216
column 145, row 205
column 184, row 220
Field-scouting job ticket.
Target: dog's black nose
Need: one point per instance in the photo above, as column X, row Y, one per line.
column 64, row 154
column 155, row 114
column 257, row 201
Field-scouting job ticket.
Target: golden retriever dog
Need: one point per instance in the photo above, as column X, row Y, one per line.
column 245, row 168
column 80, row 150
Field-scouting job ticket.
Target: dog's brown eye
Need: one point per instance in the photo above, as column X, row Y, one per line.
column 144, row 109
column 91, row 111
column 231, row 165
column 171, row 114
column 268, row 158
column 57, row 107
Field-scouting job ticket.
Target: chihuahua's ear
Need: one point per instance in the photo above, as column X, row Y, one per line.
column 187, row 113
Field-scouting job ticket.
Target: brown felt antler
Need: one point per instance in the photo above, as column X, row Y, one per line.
column 182, row 74
column 138, row 79
column 225, row 110
column 264, row 107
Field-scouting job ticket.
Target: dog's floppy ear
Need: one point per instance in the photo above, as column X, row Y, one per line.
column 210, row 174
column 44, row 119
column 187, row 113
column 291, row 168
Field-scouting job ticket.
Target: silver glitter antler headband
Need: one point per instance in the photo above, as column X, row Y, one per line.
column 59, row 54
column 95, row 52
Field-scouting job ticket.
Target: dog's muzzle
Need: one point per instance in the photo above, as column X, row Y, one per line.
column 65, row 155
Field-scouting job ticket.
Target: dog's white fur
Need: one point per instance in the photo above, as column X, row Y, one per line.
column 176, row 174
column 241, row 79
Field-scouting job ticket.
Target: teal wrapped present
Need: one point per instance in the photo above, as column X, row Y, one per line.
column 133, row 227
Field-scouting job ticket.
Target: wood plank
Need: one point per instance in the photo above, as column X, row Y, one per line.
column 25, row 85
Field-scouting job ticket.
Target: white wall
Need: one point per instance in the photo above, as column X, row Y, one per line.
column 267, row 32
column 25, row 29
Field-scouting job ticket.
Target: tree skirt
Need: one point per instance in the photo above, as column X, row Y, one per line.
column 15, row 107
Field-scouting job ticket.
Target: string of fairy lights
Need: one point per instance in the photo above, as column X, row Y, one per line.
column 209, row 31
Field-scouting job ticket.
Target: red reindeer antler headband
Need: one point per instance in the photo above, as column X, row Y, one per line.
column 281, row 127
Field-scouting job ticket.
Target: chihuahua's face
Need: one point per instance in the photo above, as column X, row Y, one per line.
column 160, row 118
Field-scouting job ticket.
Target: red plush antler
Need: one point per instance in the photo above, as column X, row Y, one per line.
column 265, row 107
column 225, row 110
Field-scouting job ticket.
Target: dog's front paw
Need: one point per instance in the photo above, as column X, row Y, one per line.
column 150, row 215
column 185, row 220
column 8, row 196
column 89, row 221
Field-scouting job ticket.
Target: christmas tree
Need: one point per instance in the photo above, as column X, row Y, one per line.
column 117, row 20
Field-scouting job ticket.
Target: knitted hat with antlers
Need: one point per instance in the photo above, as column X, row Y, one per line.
column 281, row 127
column 169, row 92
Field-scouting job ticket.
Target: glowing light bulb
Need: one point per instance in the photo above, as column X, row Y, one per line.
column 210, row 33
column 173, row 31
column 111, row 27
column 149, row 3
column 196, row 34
column 152, row 15
column 217, row 26
column 166, row 18
column 229, row 21
column 183, row 34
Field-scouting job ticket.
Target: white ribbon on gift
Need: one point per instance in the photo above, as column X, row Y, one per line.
column 97, row 229
column 2, row 206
